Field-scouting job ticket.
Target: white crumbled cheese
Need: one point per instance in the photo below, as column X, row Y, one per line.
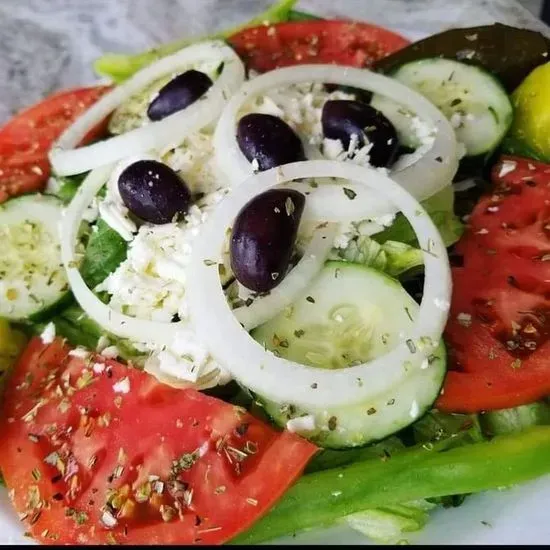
column 464, row 319
column 92, row 212
column 342, row 240
column 108, row 520
column 79, row 352
column 98, row 368
column 441, row 304
column 353, row 144
column 386, row 220
column 456, row 120
column 425, row 363
column 299, row 105
column 203, row 449
column 423, row 130
column 116, row 217
column 122, row 386
column 507, row 167
column 333, row 149
column 301, row 424
column 255, row 165
column 110, row 352
column 178, row 367
column 414, row 410
column 48, row 334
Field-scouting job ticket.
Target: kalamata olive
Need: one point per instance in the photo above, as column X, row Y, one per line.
column 343, row 118
column 153, row 191
column 178, row 94
column 263, row 237
column 269, row 140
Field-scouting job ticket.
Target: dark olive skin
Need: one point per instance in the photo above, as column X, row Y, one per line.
column 178, row 94
column 263, row 237
column 153, row 192
column 342, row 118
column 269, row 140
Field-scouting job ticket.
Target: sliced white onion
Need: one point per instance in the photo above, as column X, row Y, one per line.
column 294, row 284
column 422, row 176
column 288, row 382
column 66, row 160
column 341, row 202
column 138, row 330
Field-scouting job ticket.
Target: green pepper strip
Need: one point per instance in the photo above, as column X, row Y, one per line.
column 119, row 67
column 321, row 498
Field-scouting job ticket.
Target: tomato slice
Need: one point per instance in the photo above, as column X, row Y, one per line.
column 96, row 452
column 351, row 43
column 26, row 139
column 499, row 325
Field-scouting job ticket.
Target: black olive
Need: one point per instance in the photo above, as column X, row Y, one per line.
column 269, row 140
column 263, row 237
column 153, row 191
column 178, row 94
column 343, row 118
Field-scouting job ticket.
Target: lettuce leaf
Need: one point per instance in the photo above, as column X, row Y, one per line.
column 391, row 257
column 440, row 207
column 105, row 251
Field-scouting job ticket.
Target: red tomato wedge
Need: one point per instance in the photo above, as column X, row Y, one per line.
column 297, row 42
column 96, row 452
column 26, row 139
column 499, row 326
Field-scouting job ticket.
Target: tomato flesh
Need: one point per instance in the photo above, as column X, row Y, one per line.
column 26, row 139
column 350, row 43
column 499, row 326
column 96, row 452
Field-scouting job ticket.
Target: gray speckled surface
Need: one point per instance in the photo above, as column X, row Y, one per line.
column 49, row 44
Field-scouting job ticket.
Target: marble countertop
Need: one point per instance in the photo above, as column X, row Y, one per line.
column 46, row 45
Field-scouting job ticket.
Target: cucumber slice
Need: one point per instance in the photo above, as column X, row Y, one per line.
column 32, row 277
column 472, row 99
column 351, row 314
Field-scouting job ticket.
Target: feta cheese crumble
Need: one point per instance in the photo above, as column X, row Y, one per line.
column 48, row 334
column 301, row 424
column 122, row 386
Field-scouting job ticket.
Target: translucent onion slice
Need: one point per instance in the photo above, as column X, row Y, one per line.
column 294, row 284
column 138, row 330
column 422, row 175
column 285, row 381
column 158, row 136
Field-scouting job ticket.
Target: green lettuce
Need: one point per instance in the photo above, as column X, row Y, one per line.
column 440, row 207
column 392, row 257
column 105, row 251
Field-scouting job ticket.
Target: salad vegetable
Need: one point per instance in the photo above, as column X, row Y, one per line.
column 260, row 296
column 529, row 135
column 509, row 53
column 26, row 139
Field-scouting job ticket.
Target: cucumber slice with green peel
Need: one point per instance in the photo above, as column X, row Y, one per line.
column 352, row 314
column 32, row 278
column 473, row 100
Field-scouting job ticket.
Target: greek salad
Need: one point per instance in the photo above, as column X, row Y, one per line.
column 289, row 276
